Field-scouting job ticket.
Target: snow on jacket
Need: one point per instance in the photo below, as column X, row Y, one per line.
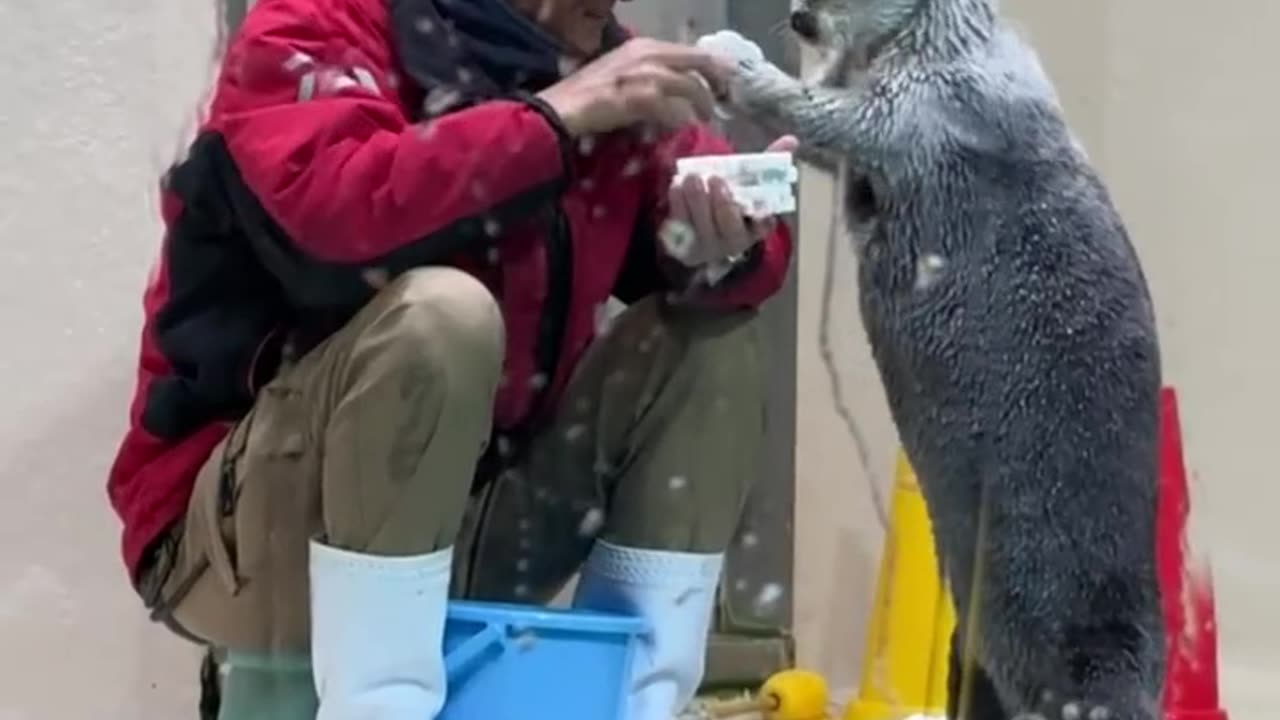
column 347, row 141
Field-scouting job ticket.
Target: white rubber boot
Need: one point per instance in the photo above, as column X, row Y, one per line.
column 675, row 593
column 377, row 628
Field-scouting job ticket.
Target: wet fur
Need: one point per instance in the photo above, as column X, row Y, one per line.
column 1014, row 334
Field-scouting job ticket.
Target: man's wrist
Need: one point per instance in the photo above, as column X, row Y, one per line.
column 557, row 106
column 713, row 272
column 556, row 121
column 723, row 272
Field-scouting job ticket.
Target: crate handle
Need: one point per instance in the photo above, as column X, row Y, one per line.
column 461, row 657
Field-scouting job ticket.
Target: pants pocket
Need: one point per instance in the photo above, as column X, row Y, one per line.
column 271, row 498
column 214, row 506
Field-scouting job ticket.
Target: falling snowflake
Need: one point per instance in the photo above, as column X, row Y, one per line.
column 598, row 212
column 567, row 65
column 768, row 597
column 928, row 268
column 465, row 76
column 740, row 585
column 575, row 432
column 750, row 540
column 588, row 184
column 440, row 100
column 678, row 238
column 522, row 565
column 425, row 25
column 504, row 445
column 633, row 167
column 1071, row 711
column 524, row 524
column 522, row 590
column 494, row 256
column 492, row 228
column 451, row 35
column 524, row 639
column 586, row 145
column 538, row 381
column 592, row 523
column 377, row 278
column 678, row 482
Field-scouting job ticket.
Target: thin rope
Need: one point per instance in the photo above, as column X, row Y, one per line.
column 829, row 358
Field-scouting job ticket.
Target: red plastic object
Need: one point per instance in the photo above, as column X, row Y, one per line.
column 1191, row 679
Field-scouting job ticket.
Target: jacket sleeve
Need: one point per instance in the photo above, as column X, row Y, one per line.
column 332, row 158
column 760, row 275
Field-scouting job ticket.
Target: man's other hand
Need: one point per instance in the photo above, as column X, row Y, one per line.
column 707, row 226
column 642, row 81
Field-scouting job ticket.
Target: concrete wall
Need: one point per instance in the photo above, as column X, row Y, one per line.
column 1172, row 100
column 95, row 94
column 1171, row 103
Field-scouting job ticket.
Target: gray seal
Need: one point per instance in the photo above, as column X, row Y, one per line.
column 1015, row 338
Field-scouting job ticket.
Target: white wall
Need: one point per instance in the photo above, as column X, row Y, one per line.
column 1174, row 100
column 92, row 96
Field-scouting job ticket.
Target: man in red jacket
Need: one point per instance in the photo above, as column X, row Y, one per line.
column 368, row 369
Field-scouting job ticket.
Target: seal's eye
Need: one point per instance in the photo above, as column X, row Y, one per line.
column 805, row 24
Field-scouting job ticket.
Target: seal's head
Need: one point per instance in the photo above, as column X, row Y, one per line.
column 850, row 25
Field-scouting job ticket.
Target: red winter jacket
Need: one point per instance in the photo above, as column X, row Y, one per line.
column 315, row 167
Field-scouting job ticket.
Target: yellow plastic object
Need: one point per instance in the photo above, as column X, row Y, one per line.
column 786, row 695
column 795, row 695
column 905, row 667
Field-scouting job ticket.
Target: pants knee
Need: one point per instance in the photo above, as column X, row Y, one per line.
column 724, row 357
column 448, row 320
column 419, row 388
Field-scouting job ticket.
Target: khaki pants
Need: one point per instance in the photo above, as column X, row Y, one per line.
column 370, row 443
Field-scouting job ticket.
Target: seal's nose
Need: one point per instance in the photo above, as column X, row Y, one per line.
column 805, row 24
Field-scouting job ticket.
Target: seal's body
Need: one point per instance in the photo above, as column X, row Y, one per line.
column 1014, row 334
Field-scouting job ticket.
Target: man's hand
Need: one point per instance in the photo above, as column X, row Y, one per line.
column 706, row 226
column 642, row 81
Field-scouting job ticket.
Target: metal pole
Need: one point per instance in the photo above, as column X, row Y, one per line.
column 232, row 13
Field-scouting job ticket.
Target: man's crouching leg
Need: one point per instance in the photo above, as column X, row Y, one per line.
column 685, row 432
column 326, row 521
column 653, row 448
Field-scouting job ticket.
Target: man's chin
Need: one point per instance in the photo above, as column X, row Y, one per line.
column 585, row 46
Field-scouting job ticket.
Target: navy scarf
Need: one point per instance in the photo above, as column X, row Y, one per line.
column 478, row 48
